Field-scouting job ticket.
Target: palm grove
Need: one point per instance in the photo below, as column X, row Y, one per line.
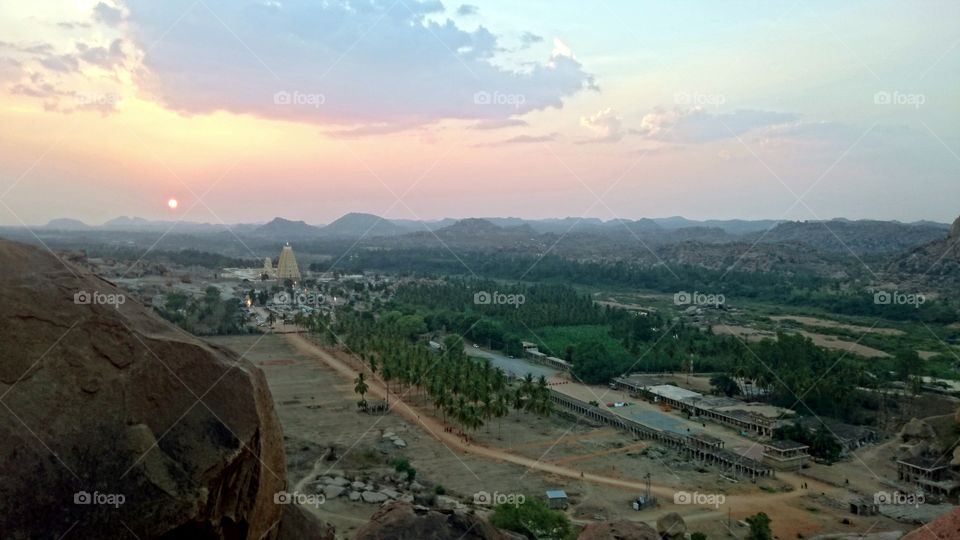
column 466, row 391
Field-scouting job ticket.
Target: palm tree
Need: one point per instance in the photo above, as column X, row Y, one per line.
column 361, row 387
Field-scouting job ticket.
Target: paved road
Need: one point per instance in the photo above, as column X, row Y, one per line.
column 516, row 366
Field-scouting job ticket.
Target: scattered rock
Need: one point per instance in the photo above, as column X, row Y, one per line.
column 448, row 503
column 671, row 527
column 618, row 530
column 392, row 493
column 403, row 521
column 354, row 496
column 357, row 485
column 372, row 497
column 333, row 491
column 340, row 481
column 399, row 443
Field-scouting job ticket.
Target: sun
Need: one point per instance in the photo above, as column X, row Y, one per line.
column 173, row 204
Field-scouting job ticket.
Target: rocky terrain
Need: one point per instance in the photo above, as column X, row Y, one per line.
column 114, row 420
column 936, row 264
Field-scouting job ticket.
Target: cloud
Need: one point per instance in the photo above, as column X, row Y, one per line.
column 499, row 124
column 374, row 62
column 106, row 57
column 467, row 10
column 529, row 38
column 606, row 126
column 107, row 14
column 522, row 139
column 698, row 126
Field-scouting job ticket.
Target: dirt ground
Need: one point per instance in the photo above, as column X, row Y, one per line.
column 314, row 397
column 825, row 341
column 825, row 323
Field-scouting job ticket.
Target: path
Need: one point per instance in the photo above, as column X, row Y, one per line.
column 436, row 429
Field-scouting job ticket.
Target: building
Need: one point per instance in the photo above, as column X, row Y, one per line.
column 929, row 474
column 757, row 418
column 287, row 266
column 268, row 268
column 786, row 455
column 557, row 499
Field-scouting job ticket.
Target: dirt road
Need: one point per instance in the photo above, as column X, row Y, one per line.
column 769, row 502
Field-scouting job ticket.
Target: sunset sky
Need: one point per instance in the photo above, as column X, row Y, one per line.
column 245, row 110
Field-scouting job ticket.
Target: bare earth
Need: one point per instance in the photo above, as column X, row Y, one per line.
column 601, row 469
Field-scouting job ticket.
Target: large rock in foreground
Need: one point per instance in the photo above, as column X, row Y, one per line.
column 404, row 521
column 618, row 530
column 112, row 421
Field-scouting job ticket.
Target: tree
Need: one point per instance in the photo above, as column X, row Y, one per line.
column 724, row 384
column 361, row 387
column 759, row 527
column 533, row 519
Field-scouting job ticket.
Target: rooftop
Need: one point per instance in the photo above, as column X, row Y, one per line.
column 556, row 494
column 786, row 445
column 676, row 393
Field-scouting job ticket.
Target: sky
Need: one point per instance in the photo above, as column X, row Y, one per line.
column 244, row 110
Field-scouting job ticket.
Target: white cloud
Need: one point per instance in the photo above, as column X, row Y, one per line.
column 606, row 126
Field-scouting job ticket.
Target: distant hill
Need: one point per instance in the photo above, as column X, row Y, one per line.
column 860, row 237
column 285, row 229
column 732, row 226
column 936, row 263
column 66, row 224
column 356, row 225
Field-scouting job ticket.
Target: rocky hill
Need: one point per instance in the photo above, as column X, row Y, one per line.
column 936, row 264
column 860, row 237
column 114, row 421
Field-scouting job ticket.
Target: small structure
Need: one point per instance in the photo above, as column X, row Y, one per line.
column 557, row 499
column 377, row 407
column 863, row 507
column 786, row 455
column 929, row 474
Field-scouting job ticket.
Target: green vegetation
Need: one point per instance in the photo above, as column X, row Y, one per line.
column 759, row 527
column 533, row 519
column 204, row 316
column 401, row 465
column 467, row 391
column 821, row 442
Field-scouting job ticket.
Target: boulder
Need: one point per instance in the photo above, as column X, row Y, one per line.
column 447, row 503
column 671, row 527
column 373, row 497
column 298, row 524
column 333, row 491
column 917, row 429
column 354, row 496
column 340, row 481
column 403, row 521
column 357, row 485
column 618, row 530
column 392, row 493
column 103, row 403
